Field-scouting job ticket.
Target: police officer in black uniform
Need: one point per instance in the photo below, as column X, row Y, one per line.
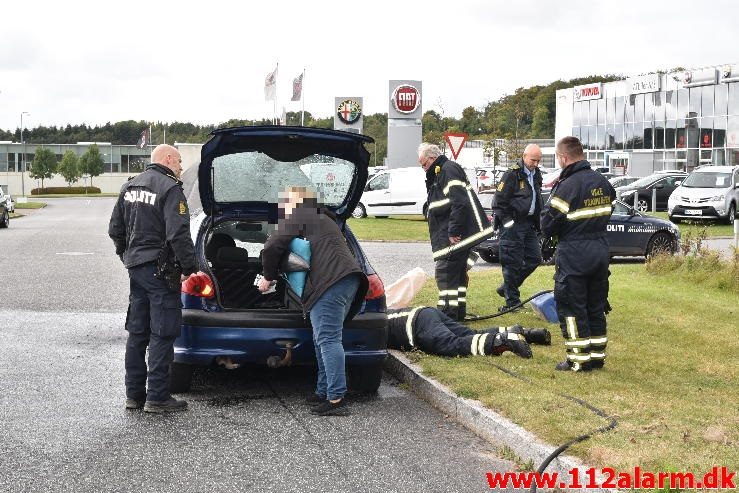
column 457, row 222
column 577, row 215
column 429, row 330
column 150, row 226
column 516, row 207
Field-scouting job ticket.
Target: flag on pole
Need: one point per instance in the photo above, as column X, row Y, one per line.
column 144, row 139
column 297, row 88
column 270, row 85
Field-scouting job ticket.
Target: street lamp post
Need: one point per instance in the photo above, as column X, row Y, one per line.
column 23, row 158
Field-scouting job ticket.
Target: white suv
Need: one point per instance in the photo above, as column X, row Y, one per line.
column 5, row 197
column 709, row 192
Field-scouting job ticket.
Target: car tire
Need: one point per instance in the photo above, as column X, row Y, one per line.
column 365, row 378
column 548, row 249
column 731, row 214
column 359, row 212
column 425, row 212
column 642, row 205
column 488, row 256
column 660, row 242
column 5, row 220
column 673, row 219
column 180, row 377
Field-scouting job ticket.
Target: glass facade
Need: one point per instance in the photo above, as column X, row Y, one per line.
column 683, row 128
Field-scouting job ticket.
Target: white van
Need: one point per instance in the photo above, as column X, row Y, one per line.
column 709, row 192
column 394, row 191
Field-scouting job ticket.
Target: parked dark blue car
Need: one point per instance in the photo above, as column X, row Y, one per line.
column 630, row 234
column 241, row 172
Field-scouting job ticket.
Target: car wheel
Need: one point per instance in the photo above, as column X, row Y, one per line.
column 426, row 212
column 180, row 377
column 5, row 220
column 673, row 219
column 365, row 378
column 732, row 213
column 548, row 247
column 488, row 256
column 359, row 212
column 661, row 242
column 642, row 205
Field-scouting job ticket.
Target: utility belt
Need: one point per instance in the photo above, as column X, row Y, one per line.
column 168, row 269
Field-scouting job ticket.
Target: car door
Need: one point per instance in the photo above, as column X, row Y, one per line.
column 377, row 198
column 624, row 236
column 668, row 185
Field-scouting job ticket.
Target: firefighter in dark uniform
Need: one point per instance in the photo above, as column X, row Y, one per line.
column 429, row 330
column 457, row 222
column 576, row 216
column 150, row 226
column 516, row 207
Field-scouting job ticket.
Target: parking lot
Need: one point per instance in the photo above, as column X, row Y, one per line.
column 64, row 427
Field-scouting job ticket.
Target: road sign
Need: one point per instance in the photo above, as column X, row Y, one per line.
column 455, row 142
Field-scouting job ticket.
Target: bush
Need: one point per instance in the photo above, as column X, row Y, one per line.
column 64, row 190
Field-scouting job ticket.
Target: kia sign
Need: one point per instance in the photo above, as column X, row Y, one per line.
column 588, row 91
column 406, row 99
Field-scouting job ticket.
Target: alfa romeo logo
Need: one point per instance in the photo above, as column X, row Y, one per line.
column 349, row 111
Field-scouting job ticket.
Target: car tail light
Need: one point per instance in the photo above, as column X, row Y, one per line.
column 376, row 288
column 199, row 285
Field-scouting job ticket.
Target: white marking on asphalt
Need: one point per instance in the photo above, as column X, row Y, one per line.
column 75, row 254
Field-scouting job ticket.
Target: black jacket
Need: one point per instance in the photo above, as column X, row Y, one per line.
column 453, row 209
column 331, row 260
column 512, row 199
column 577, row 215
column 401, row 325
column 151, row 210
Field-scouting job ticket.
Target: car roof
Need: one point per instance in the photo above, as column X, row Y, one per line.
column 709, row 169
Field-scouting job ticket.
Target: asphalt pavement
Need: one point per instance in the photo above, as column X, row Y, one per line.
column 63, row 428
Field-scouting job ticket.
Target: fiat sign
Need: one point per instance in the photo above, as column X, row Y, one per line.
column 406, row 98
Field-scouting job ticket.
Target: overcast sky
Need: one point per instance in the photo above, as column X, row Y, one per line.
column 206, row 61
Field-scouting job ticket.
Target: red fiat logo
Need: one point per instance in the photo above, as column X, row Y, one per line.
column 406, row 98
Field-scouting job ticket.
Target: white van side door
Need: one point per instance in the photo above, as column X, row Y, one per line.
column 376, row 198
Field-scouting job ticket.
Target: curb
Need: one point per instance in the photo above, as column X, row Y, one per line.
column 485, row 423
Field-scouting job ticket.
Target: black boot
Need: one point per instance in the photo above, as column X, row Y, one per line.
column 537, row 336
column 511, row 339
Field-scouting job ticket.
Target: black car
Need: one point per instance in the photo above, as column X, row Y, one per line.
column 664, row 182
column 630, row 234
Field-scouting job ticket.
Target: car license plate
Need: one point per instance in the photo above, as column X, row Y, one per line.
column 693, row 212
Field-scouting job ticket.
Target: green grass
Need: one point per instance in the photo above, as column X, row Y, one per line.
column 670, row 378
column 394, row 228
column 712, row 228
column 30, row 205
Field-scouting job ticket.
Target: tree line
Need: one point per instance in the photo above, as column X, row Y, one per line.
column 528, row 113
column 71, row 167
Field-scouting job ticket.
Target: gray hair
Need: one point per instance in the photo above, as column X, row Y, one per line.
column 429, row 150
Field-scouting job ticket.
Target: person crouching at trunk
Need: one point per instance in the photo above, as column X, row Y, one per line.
column 333, row 293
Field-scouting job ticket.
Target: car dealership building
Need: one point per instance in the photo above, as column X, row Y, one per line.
column 653, row 122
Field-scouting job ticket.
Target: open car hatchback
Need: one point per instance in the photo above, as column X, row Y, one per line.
column 241, row 172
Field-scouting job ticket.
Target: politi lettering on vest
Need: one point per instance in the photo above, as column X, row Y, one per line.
column 140, row 196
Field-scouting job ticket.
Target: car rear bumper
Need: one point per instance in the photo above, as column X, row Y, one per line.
column 252, row 337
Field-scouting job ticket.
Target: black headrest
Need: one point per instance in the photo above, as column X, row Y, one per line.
column 218, row 241
column 232, row 257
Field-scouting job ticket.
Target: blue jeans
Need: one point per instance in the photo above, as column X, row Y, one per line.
column 327, row 317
